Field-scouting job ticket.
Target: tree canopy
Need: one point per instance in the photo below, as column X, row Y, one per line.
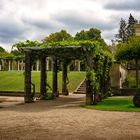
column 58, row 36
column 126, row 29
column 129, row 50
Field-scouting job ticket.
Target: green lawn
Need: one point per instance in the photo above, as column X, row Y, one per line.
column 115, row 104
column 14, row 81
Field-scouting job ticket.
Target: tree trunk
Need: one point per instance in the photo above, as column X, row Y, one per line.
column 43, row 77
column 27, row 97
column 137, row 74
column 64, row 79
column 55, row 89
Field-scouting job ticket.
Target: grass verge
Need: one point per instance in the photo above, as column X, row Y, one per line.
column 115, row 104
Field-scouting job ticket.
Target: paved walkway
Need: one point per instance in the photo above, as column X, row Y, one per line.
column 7, row 101
column 65, row 119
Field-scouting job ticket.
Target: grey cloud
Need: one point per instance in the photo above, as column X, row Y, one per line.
column 9, row 31
column 76, row 21
column 123, row 5
column 40, row 24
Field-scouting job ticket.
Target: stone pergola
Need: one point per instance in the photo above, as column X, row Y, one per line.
column 56, row 53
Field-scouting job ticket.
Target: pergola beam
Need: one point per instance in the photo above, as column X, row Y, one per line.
column 43, row 76
column 55, row 84
column 28, row 97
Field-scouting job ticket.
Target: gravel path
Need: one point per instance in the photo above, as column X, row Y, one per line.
column 65, row 119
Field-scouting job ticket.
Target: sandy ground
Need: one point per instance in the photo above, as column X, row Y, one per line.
column 65, row 119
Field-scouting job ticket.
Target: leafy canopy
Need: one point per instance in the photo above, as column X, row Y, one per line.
column 130, row 50
column 58, row 36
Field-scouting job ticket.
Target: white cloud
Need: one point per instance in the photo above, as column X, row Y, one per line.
column 35, row 19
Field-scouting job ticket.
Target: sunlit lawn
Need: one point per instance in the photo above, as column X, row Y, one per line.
column 14, row 81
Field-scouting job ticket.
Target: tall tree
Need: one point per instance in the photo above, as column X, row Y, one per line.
column 58, row 36
column 122, row 35
column 130, row 27
column 126, row 30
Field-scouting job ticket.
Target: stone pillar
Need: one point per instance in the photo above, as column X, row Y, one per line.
column 47, row 65
column 27, row 97
column 18, row 65
column 78, row 65
column 21, row 65
column 54, row 84
column 37, row 65
column 43, row 76
column 9, row 65
column 64, row 79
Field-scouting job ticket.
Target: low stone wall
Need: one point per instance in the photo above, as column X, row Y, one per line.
column 14, row 93
column 124, row 91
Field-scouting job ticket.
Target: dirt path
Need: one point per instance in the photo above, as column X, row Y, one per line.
column 65, row 119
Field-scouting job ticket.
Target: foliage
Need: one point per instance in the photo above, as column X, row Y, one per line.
column 6, row 55
column 130, row 28
column 92, row 34
column 126, row 30
column 123, row 30
column 27, row 43
column 115, row 104
column 136, row 98
column 58, row 36
column 2, row 49
column 130, row 50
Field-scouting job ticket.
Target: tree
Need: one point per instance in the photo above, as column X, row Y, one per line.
column 122, row 35
column 130, row 51
column 92, row 34
column 58, row 36
column 2, row 49
column 126, row 30
column 130, row 27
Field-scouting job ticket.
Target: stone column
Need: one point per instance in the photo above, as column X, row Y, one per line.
column 64, row 79
column 9, row 65
column 79, row 66
column 18, row 65
column 54, row 84
column 43, row 76
column 37, row 65
column 47, row 65
column 27, row 97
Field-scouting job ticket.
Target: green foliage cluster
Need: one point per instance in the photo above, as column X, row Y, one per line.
column 57, row 37
column 128, row 51
column 126, row 29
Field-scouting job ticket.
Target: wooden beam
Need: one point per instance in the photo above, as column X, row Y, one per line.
column 27, row 97
column 64, row 79
column 43, row 77
column 54, row 84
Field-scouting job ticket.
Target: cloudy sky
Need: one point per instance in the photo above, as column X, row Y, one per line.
column 35, row 19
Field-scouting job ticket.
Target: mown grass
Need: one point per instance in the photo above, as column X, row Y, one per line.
column 115, row 104
column 14, row 81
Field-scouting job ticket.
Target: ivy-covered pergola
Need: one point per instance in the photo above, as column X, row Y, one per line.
column 64, row 54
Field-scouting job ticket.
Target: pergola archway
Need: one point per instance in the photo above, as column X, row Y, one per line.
column 56, row 53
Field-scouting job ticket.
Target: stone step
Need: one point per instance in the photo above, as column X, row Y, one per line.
column 81, row 88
